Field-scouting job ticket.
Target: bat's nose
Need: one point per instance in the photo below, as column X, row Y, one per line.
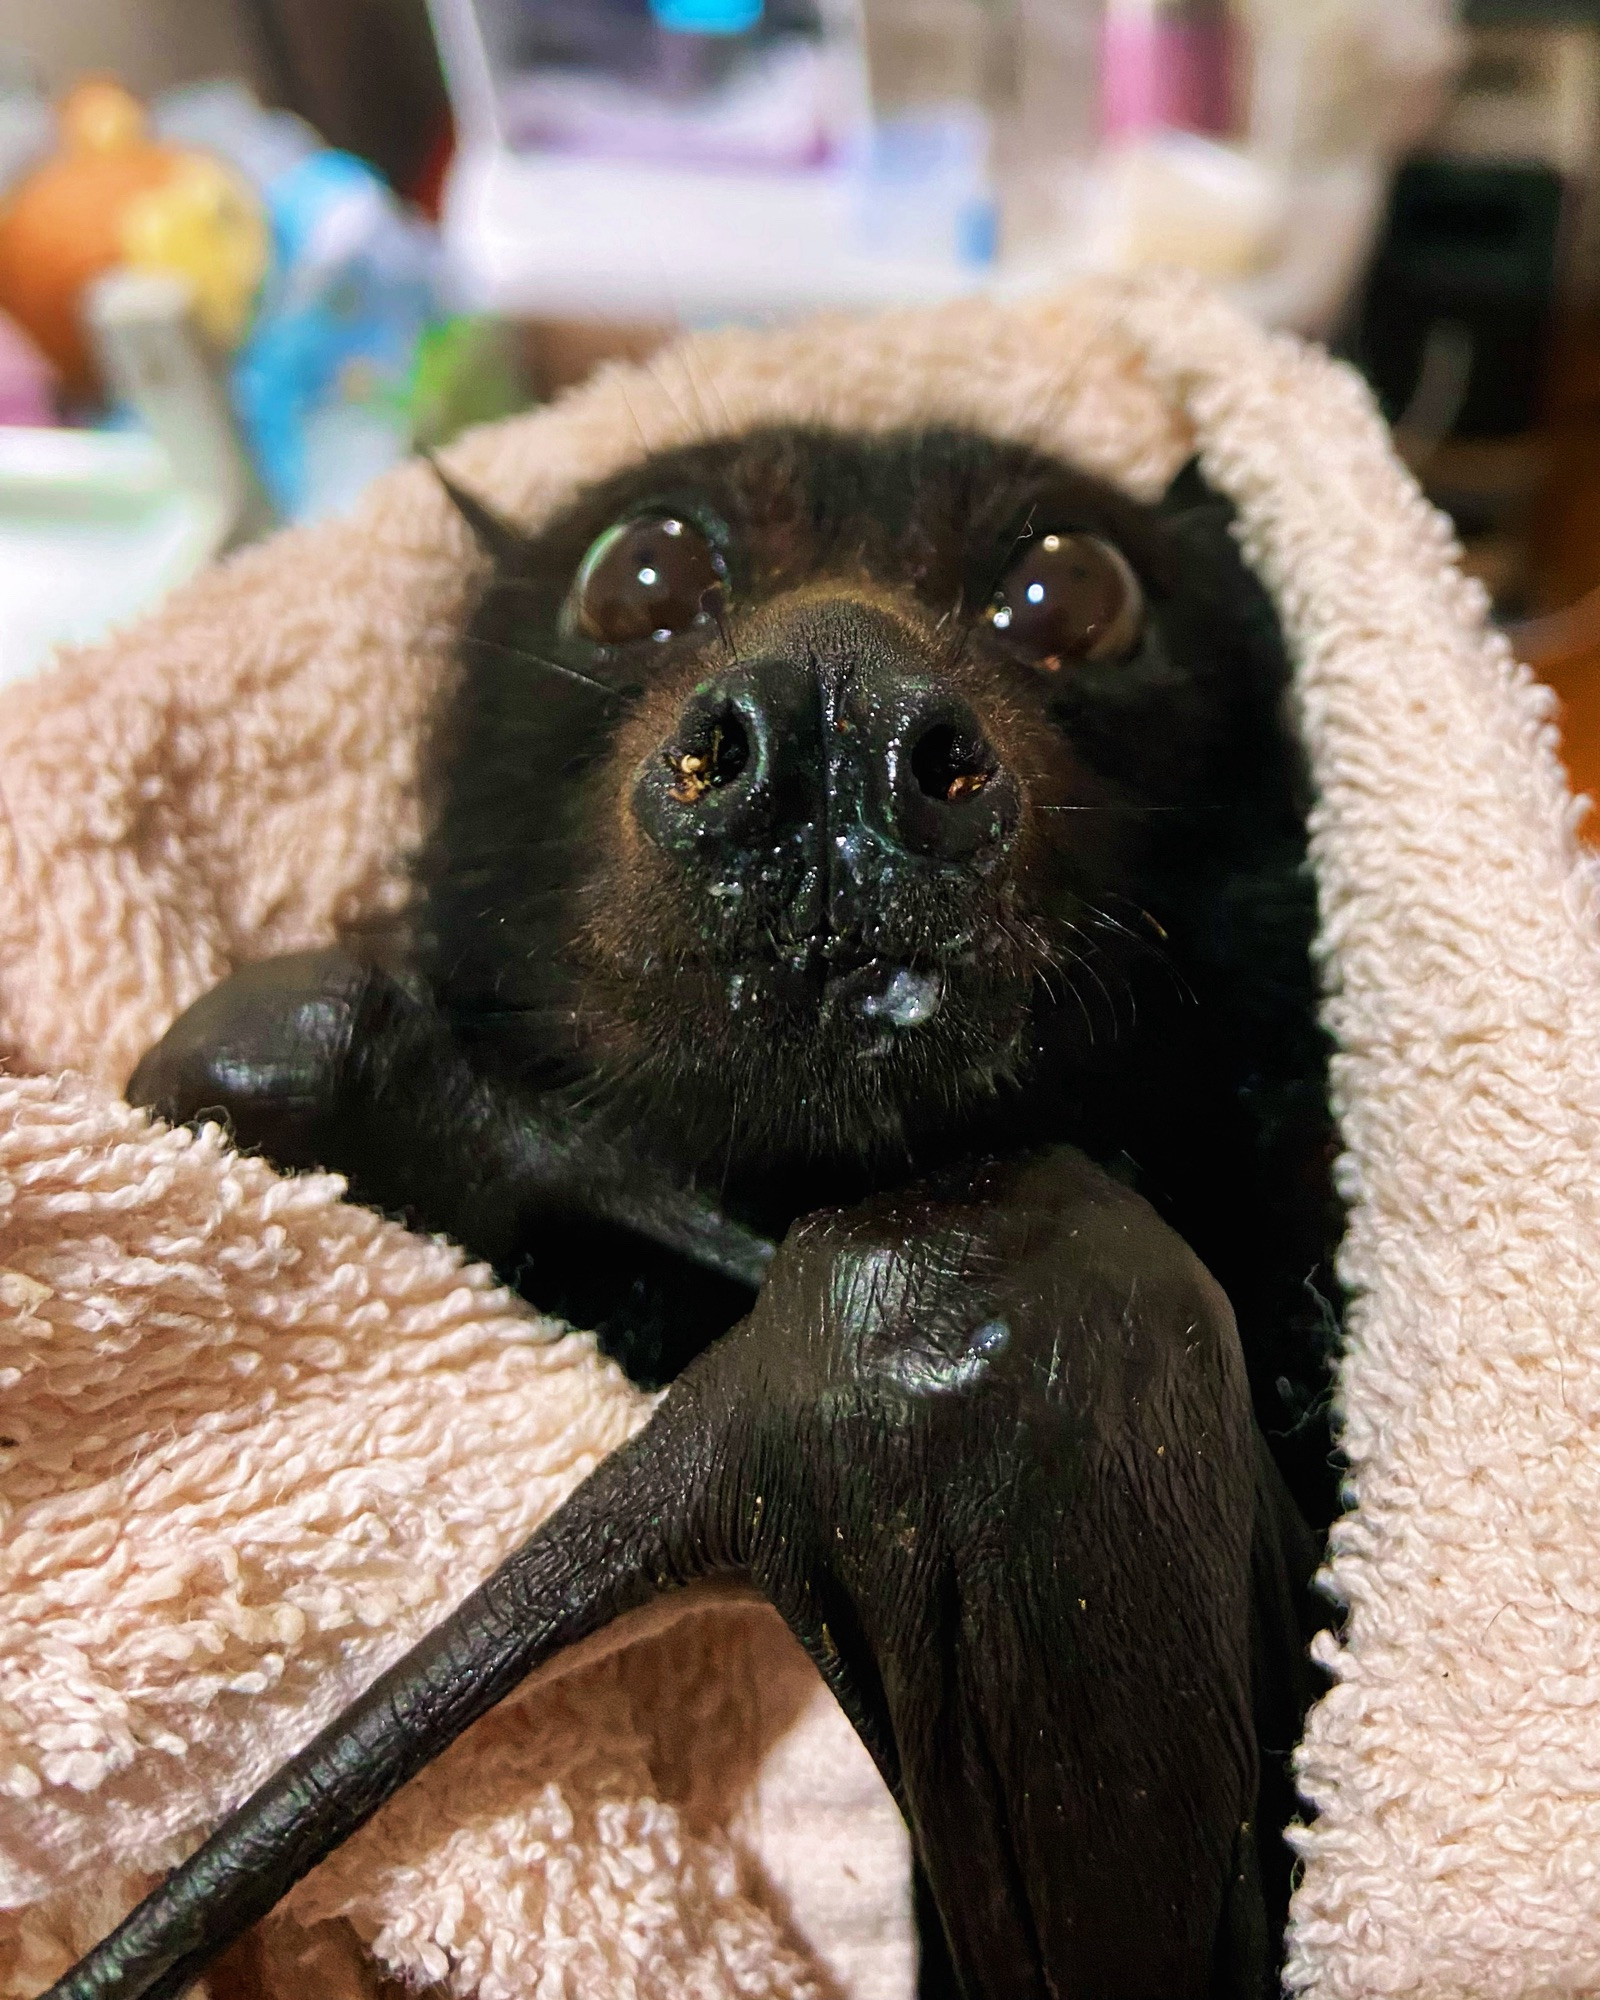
column 930, row 777
column 839, row 734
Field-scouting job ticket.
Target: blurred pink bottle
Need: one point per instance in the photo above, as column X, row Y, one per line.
column 1166, row 65
column 27, row 381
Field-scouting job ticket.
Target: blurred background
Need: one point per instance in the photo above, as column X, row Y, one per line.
column 254, row 251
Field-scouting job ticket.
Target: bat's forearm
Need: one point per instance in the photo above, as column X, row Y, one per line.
column 322, row 1060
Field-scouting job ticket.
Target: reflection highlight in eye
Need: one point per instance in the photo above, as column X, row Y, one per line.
column 645, row 578
column 1069, row 597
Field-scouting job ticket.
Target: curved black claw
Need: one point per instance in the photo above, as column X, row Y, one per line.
column 988, row 1448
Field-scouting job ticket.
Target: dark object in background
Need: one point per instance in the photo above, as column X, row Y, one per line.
column 366, row 74
column 1517, row 13
column 1470, row 252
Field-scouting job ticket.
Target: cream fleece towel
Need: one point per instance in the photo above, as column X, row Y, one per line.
column 256, row 1440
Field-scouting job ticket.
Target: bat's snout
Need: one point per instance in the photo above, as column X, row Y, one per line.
column 835, row 753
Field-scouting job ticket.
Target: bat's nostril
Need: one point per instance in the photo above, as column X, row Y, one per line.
column 707, row 790
column 950, row 764
column 711, row 754
column 945, row 792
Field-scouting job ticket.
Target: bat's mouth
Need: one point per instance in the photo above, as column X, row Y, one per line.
column 885, row 993
column 848, row 993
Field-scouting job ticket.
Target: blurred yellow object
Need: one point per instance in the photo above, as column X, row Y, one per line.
column 99, row 116
column 205, row 224
column 112, row 195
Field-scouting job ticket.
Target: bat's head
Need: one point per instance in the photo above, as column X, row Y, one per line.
column 817, row 791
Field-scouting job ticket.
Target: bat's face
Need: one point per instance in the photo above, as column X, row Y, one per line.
column 816, row 788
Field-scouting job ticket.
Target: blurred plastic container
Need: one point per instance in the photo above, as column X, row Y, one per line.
column 1177, row 198
column 26, row 125
column 962, row 147
column 764, row 83
column 1336, row 81
column 1168, row 65
column 695, row 159
column 161, row 373
column 110, row 193
column 27, row 381
column 322, row 384
column 1048, row 132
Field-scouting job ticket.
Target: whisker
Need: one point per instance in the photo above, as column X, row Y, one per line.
column 1088, row 1018
column 963, row 633
column 1094, row 949
column 709, row 382
column 1139, row 910
column 622, row 385
column 1021, row 932
column 1023, row 534
column 699, row 433
column 561, row 1017
column 1104, row 918
column 711, row 603
column 1033, row 425
column 1079, row 958
column 539, row 660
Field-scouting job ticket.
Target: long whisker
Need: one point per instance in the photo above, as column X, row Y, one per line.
column 1021, row 932
column 622, row 385
column 702, row 414
column 1079, row 958
column 1088, row 1018
column 1093, row 950
column 711, row 603
column 1106, row 921
column 700, row 432
column 963, row 633
column 709, row 383
column 539, row 660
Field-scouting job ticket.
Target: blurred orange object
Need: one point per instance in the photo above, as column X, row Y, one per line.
column 62, row 225
column 1564, row 651
column 113, row 195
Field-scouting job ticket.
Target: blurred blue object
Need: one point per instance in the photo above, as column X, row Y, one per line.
column 321, row 382
column 926, row 190
column 708, row 17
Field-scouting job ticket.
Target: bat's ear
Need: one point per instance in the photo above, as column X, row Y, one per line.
column 496, row 536
column 1190, row 494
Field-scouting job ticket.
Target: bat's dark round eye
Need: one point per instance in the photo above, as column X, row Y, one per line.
column 1068, row 597
column 645, row 579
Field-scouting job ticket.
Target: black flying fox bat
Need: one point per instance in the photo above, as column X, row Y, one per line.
column 861, row 965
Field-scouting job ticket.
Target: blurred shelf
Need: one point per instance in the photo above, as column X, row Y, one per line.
column 551, row 237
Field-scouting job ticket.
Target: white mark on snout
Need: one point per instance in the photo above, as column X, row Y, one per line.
column 909, row 1000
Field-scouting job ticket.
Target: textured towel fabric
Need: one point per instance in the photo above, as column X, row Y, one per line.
column 256, row 1440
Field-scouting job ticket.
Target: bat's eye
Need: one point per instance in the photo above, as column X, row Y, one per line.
column 645, row 579
column 1066, row 598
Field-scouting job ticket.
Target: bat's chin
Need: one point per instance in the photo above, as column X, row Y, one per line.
column 832, row 1054
column 857, row 998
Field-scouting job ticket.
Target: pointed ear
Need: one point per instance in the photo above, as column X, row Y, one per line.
column 495, row 536
column 1189, row 494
